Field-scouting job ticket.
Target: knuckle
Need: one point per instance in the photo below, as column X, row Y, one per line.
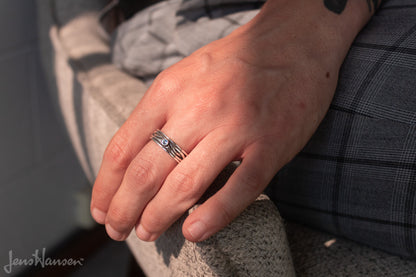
column 99, row 196
column 224, row 214
column 151, row 222
column 120, row 219
column 251, row 183
column 116, row 152
column 141, row 171
column 227, row 217
column 167, row 82
column 183, row 182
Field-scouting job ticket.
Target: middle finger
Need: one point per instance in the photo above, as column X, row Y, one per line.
column 141, row 182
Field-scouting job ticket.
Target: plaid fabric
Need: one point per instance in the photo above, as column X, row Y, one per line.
column 357, row 175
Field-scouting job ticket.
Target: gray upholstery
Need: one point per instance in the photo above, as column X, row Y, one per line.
column 94, row 98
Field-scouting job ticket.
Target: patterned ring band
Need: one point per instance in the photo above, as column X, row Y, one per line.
column 169, row 146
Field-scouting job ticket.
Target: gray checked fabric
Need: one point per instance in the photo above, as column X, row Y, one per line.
column 357, row 176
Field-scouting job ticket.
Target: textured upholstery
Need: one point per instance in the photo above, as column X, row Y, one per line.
column 94, row 98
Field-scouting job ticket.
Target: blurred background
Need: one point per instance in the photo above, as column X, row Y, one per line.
column 44, row 195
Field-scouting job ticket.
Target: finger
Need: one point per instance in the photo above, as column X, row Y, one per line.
column 124, row 146
column 186, row 184
column 141, row 182
column 243, row 187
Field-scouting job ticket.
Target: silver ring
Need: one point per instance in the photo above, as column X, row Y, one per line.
column 168, row 145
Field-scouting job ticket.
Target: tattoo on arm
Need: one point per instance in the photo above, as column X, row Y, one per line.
column 338, row 6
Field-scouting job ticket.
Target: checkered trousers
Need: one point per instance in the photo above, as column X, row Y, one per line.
column 357, row 176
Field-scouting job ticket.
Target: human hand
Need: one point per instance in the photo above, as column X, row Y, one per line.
column 238, row 98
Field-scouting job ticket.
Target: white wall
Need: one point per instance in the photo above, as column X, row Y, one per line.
column 39, row 174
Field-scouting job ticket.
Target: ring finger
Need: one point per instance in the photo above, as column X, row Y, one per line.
column 186, row 183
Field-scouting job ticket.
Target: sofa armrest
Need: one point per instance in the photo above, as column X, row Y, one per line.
column 254, row 244
column 94, row 98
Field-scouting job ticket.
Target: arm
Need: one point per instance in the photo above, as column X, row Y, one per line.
column 256, row 95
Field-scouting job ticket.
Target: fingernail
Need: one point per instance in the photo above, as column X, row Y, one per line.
column 115, row 235
column 142, row 233
column 197, row 230
column 98, row 215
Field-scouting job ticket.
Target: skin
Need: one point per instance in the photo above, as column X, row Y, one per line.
column 256, row 95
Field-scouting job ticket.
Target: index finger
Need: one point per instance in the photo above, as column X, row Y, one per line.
column 123, row 147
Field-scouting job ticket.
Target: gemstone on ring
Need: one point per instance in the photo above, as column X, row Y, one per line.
column 164, row 142
column 168, row 145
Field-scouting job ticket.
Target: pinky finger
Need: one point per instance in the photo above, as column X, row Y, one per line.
column 243, row 187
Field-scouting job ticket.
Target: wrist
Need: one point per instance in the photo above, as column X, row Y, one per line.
column 306, row 27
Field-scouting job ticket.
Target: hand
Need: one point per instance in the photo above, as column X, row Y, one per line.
column 256, row 95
